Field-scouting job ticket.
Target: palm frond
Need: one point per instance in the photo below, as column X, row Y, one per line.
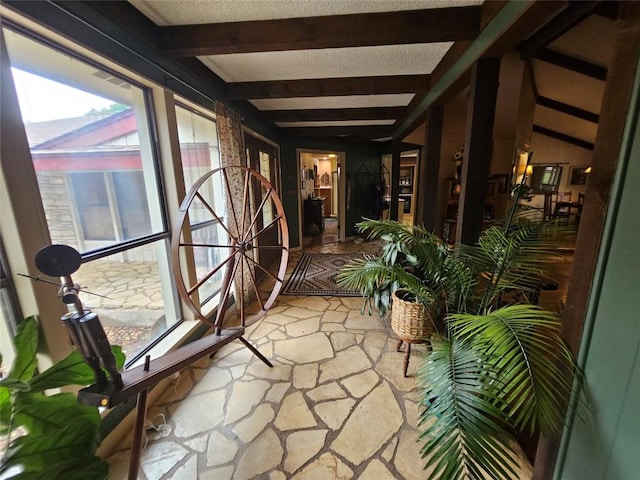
column 523, row 344
column 467, row 440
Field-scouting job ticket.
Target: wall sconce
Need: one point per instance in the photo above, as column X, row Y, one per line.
column 588, row 169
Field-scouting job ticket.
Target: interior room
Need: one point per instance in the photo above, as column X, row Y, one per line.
column 189, row 196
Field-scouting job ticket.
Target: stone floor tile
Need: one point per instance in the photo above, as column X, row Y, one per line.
column 280, row 318
column 359, row 439
column 215, row 378
column 303, row 327
column 375, row 343
column 241, row 356
column 224, row 473
column 276, row 392
column 159, row 458
column 376, row 471
column 319, row 304
column 277, row 335
column 335, row 412
column 188, row 471
column 347, row 362
column 327, row 467
column 332, row 327
column 305, row 376
column 361, row 384
column 279, row 371
column 329, row 391
column 334, row 317
column 412, row 409
column 254, row 424
column 199, row 444
column 390, row 451
column 357, row 321
column 244, row 396
column 407, row 460
column 237, row 371
column 264, row 453
column 302, row 446
column 300, row 312
column 220, row 450
column 260, row 330
column 390, row 367
column 342, row 340
column 196, row 415
column 294, row 413
column 277, row 475
column 310, row 348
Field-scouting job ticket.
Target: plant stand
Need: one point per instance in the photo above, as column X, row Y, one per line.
column 407, row 350
column 411, row 322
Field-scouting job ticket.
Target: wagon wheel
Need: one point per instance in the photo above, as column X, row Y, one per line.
column 222, row 240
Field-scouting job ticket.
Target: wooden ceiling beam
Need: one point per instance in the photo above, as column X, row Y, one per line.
column 323, row 87
column 331, row 31
column 571, row 63
column 334, row 114
column 563, row 137
column 368, row 132
column 567, row 109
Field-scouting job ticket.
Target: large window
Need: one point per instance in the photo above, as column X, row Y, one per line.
column 198, row 138
column 91, row 141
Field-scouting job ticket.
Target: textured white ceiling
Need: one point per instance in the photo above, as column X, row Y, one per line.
column 185, row 12
column 328, row 63
column 353, row 101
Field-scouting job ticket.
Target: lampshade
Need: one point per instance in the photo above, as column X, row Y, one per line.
column 588, row 169
column 529, row 170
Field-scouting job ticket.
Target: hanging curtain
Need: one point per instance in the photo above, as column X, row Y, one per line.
column 232, row 153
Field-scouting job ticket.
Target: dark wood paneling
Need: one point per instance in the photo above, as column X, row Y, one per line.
column 331, row 31
column 322, row 87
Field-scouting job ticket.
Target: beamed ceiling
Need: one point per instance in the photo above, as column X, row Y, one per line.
column 359, row 70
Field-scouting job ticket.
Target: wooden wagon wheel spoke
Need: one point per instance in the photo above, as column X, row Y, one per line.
column 239, row 256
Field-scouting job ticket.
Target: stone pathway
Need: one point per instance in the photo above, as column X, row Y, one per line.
column 335, row 405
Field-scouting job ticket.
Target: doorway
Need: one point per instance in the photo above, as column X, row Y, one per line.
column 321, row 193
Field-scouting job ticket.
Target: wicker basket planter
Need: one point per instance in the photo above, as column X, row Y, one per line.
column 410, row 320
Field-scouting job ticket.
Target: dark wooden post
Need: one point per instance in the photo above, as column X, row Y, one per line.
column 427, row 211
column 478, row 146
column 396, row 148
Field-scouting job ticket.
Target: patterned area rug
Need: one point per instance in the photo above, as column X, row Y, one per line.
column 316, row 273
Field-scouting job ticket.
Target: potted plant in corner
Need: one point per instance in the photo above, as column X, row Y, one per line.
column 498, row 366
column 48, row 436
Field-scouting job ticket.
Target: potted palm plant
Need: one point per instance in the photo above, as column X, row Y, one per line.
column 498, row 367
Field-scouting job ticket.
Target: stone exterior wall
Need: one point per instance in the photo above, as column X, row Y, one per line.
column 57, row 207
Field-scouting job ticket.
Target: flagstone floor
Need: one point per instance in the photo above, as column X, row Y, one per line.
column 334, row 406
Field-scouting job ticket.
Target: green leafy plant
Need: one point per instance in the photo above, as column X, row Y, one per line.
column 498, row 366
column 47, row 436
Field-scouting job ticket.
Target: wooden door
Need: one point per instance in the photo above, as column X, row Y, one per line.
column 263, row 158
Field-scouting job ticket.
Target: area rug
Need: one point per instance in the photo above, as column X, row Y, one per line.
column 316, row 273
